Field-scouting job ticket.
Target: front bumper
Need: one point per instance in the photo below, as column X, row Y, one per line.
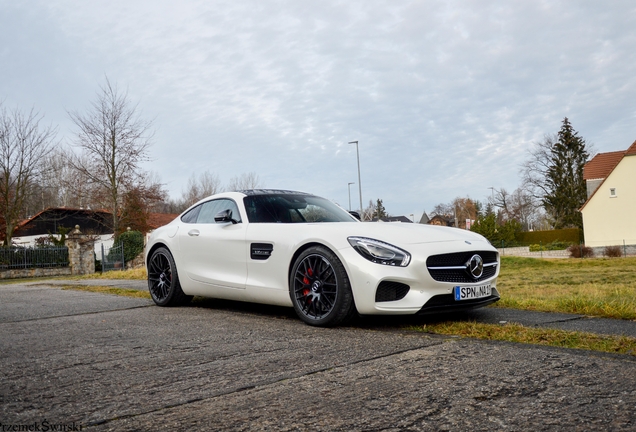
column 447, row 303
column 425, row 294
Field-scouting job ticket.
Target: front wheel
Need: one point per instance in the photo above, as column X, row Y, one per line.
column 319, row 288
column 163, row 280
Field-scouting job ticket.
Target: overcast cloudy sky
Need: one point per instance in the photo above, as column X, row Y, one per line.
column 444, row 97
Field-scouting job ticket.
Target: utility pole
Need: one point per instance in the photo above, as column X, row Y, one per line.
column 359, row 182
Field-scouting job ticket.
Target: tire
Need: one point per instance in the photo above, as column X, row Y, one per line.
column 163, row 280
column 319, row 288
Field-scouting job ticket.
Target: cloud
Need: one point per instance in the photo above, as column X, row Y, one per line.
column 445, row 98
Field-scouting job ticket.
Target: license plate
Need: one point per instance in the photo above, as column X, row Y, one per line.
column 471, row 292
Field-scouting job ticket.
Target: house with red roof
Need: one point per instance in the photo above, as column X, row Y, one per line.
column 609, row 214
column 93, row 222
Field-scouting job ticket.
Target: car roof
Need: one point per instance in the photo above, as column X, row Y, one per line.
column 252, row 192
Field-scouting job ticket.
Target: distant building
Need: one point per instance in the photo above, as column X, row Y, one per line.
column 93, row 222
column 96, row 222
column 609, row 214
column 393, row 219
column 441, row 221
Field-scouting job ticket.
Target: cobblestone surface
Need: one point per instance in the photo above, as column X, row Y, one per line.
column 213, row 368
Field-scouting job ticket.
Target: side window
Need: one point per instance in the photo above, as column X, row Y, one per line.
column 191, row 216
column 211, row 208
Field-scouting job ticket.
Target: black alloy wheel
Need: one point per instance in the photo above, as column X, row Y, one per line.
column 319, row 288
column 163, row 280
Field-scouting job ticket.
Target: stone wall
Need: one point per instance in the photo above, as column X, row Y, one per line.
column 138, row 262
column 524, row 251
column 35, row 272
column 628, row 250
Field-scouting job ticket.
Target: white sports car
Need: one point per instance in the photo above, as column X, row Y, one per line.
column 295, row 249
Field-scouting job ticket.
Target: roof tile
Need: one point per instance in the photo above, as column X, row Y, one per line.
column 603, row 164
column 155, row 220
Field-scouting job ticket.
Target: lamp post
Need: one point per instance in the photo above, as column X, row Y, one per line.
column 359, row 183
column 349, row 187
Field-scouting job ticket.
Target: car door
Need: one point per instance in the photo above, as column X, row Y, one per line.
column 214, row 252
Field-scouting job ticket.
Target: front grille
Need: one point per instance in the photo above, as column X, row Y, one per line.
column 459, row 259
column 391, row 291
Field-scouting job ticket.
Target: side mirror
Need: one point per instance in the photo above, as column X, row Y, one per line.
column 225, row 216
column 356, row 215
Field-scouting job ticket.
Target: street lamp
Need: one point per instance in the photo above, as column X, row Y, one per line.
column 359, row 183
column 349, row 187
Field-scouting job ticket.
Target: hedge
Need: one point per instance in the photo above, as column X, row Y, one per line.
column 566, row 235
column 133, row 244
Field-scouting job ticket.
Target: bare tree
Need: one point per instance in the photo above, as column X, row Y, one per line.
column 520, row 205
column 245, row 181
column 443, row 209
column 113, row 140
column 200, row 187
column 23, row 146
column 369, row 212
column 59, row 185
column 464, row 208
column 535, row 168
column 457, row 210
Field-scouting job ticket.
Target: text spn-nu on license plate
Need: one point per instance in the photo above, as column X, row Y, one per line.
column 471, row 292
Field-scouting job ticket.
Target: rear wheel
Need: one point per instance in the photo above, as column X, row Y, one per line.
column 163, row 280
column 319, row 288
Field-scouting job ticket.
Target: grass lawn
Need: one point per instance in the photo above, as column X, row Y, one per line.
column 601, row 287
column 138, row 274
column 518, row 333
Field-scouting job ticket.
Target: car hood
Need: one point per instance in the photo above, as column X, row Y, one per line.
column 404, row 233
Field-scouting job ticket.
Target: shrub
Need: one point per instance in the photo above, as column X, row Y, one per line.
column 555, row 245
column 612, row 251
column 133, row 242
column 580, row 251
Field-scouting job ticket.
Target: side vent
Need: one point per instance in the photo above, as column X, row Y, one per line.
column 391, row 291
column 261, row 251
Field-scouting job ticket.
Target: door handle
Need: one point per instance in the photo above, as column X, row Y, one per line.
column 193, row 233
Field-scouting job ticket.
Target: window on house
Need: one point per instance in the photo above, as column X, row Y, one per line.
column 612, row 192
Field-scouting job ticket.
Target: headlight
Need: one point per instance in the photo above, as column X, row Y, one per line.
column 380, row 252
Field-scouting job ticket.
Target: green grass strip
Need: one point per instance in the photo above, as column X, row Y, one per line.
column 512, row 332
column 109, row 290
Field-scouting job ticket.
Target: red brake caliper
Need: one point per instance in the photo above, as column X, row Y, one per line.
column 306, row 281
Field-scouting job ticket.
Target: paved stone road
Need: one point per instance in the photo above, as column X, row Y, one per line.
column 115, row 363
column 491, row 315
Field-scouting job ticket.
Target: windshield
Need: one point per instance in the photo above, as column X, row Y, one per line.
column 288, row 208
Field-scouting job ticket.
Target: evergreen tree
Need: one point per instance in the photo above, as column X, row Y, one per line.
column 565, row 187
column 380, row 211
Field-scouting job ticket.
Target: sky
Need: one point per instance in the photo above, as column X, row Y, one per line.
column 445, row 98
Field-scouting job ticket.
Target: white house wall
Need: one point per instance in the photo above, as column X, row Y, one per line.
column 611, row 221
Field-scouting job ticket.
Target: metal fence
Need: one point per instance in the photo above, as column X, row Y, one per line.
column 27, row 257
column 113, row 258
